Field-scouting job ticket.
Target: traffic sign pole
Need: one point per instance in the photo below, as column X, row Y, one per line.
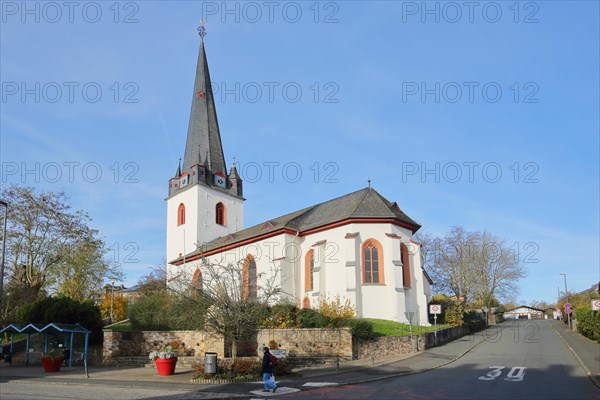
column 568, row 311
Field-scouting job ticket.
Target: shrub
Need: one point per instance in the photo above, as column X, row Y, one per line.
column 337, row 313
column 588, row 323
column 309, row 318
column 151, row 312
column 362, row 330
column 165, row 311
column 241, row 368
column 281, row 316
column 64, row 310
column 452, row 312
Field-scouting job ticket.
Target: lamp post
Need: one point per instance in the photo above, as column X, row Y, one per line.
column 5, row 204
column 112, row 299
column 567, row 297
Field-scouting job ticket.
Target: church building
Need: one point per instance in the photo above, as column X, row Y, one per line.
column 357, row 247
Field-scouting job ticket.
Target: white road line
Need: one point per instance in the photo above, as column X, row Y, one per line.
column 320, row 384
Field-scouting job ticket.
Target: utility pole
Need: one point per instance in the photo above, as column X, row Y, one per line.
column 567, row 297
column 5, row 204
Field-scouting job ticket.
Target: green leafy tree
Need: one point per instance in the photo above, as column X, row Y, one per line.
column 50, row 247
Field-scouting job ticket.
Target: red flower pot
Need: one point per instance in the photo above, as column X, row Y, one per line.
column 51, row 364
column 165, row 367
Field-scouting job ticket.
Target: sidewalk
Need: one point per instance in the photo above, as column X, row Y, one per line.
column 359, row 372
column 585, row 350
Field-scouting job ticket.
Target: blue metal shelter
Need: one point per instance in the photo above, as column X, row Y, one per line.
column 67, row 330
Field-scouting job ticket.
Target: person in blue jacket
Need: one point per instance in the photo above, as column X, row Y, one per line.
column 267, row 371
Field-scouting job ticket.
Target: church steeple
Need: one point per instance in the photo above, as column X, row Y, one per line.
column 203, row 136
column 204, row 201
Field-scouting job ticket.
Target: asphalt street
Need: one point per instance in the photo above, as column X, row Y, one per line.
column 519, row 360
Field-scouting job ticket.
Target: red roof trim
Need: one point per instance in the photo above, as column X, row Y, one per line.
column 235, row 245
column 305, row 233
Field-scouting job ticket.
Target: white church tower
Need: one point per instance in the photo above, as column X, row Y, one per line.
column 204, row 201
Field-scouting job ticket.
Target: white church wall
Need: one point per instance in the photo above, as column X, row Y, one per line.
column 175, row 233
column 200, row 218
column 338, row 269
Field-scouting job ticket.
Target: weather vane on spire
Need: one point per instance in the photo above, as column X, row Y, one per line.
column 202, row 29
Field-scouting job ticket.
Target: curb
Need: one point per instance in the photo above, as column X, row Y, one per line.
column 595, row 379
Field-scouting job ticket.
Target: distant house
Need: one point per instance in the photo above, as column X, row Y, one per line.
column 130, row 294
column 524, row 312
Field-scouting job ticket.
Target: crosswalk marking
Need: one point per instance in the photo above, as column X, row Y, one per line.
column 320, row 384
column 280, row 390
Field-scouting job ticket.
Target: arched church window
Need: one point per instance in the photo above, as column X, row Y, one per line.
column 181, row 214
column 249, row 279
column 405, row 264
column 372, row 257
column 306, row 303
column 220, row 213
column 197, row 282
column 309, row 267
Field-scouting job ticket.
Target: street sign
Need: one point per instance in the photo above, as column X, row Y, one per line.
column 567, row 305
column 435, row 309
column 568, row 310
column 595, row 305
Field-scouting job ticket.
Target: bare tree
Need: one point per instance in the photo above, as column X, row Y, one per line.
column 474, row 267
column 497, row 269
column 452, row 265
column 234, row 305
column 155, row 281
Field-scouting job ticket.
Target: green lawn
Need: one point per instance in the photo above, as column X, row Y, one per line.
column 383, row 327
column 126, row 326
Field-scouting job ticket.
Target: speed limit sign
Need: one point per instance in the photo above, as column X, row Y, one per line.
column 435, row 309
column 596, row 305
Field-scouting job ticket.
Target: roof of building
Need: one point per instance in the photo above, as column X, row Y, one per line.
column 366, row 203
column 203, row 144
column 531, row 308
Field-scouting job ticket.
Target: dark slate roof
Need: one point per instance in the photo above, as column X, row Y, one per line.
column 203, row 143
column 364, row 203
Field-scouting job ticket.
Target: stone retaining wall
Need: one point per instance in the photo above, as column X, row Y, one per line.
column 299, row 343
column 141, row 343
column 310, row 342
column 398, row 345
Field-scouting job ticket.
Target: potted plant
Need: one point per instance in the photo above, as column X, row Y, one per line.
column 165, row 360
column 52, row 361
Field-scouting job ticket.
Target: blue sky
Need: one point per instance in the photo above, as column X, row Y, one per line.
column 485, row 117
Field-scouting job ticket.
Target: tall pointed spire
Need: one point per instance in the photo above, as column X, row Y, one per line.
column 203, row 135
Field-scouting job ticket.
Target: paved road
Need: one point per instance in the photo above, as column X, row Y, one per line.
column 522, row 360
